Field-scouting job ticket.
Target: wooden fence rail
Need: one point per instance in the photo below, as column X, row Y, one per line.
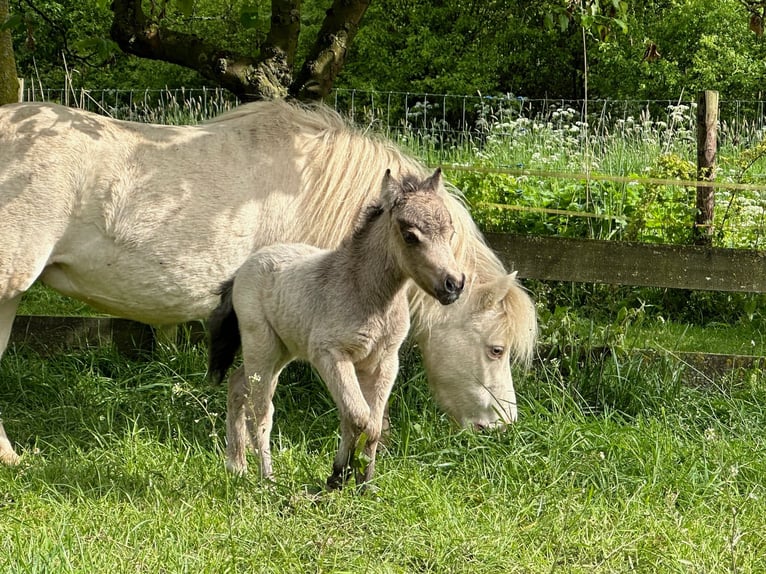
column 534, row 257
column 638, row 264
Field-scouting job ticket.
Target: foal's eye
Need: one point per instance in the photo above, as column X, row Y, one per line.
column 410, row 237
column 496, row 352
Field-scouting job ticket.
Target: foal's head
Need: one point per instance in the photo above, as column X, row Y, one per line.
column 422, row 234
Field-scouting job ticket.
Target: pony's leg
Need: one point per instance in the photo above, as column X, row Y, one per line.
column 376, row 386
column 339, row 375
column 7, row 313
column 237, row 408
column 251, row 399
column 239, row 432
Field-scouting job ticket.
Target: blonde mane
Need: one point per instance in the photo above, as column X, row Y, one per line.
column 342, row 172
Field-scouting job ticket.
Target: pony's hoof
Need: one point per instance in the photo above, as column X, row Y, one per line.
column 367, row 489
column 236, row 469
column 336, row 481
column 9, row 458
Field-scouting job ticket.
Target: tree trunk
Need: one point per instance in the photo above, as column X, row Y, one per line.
column 244, row 76
column 328, row 54
column 9, row 82
column 268, row 75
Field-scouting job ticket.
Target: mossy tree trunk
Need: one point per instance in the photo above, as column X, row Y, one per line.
column 9, row 81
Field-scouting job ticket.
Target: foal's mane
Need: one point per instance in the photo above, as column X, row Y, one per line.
column 342, row 173
column 369, row 215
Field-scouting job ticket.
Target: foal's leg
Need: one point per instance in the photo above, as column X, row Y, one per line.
column 237, row 408
column 339, row 375
column 376, row 386
column 250, row 398
column 7, row 314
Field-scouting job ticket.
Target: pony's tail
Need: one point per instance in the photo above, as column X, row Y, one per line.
column 225, row 338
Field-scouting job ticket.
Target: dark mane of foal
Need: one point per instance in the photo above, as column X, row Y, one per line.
column 370, row 215
column 410, row 183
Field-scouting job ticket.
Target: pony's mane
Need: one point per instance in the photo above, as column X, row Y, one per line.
column 369, row 215
column 344, row 173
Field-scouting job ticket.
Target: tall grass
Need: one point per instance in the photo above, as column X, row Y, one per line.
column 123, row 472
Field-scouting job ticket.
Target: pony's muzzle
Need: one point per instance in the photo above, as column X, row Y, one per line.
column 451, row 289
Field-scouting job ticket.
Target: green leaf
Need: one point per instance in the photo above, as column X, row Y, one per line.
column 104, row 47
column 14, row 22
column 361, row 460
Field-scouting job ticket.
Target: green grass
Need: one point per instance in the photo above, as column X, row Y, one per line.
column 41, row 300
column 625, row 471
column 614, row 466
column 666, row 336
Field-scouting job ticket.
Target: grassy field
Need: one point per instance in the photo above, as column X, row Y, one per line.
column 614, row 466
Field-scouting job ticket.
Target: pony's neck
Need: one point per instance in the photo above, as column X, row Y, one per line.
column 370, row 265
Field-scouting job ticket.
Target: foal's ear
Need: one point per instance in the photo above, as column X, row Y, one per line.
column 434, row 182
column 490, row 294
column 389, row 190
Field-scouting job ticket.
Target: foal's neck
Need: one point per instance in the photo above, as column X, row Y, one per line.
column 369, row 265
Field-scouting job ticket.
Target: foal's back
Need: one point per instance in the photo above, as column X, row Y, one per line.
column 311, row 303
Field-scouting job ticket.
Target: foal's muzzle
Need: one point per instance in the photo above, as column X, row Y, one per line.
column 451, row 289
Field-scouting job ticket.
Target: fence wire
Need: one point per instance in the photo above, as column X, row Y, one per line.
column 550, row 151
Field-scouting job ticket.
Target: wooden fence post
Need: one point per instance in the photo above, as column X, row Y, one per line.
column 707, row 146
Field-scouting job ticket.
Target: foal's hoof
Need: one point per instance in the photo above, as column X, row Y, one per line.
column 367, row 489
column 334, row 483
column 236, row 469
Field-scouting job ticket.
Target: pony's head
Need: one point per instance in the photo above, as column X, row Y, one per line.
column 422, row 233
column 469, row 351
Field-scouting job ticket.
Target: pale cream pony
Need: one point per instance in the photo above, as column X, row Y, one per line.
column 146, row 222
column 343, row 310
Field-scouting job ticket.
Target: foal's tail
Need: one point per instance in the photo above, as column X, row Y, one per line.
column 225, row 338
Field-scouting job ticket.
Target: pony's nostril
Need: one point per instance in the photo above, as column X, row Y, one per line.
column 453, row 286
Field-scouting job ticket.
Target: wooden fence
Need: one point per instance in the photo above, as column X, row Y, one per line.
column 534, row 257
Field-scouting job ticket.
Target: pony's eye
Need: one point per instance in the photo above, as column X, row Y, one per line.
column 495, row 352
column 410, row 237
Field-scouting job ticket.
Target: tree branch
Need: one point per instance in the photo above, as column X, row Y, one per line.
column 246, row 77
column 284, row 31
column 270, row 74
column 326, row 58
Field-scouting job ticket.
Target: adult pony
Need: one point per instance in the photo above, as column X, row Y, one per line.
column 146, row 222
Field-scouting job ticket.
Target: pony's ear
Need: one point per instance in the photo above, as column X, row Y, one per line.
column 434, row 182
column 389, row 190
column 490, row 294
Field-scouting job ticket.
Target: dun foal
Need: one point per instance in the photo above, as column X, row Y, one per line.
column 345, row 311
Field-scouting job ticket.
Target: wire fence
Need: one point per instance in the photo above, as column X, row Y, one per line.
column 598, row 168
column 451, row 115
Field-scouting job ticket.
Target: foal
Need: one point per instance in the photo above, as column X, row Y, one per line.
column 345, row 311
